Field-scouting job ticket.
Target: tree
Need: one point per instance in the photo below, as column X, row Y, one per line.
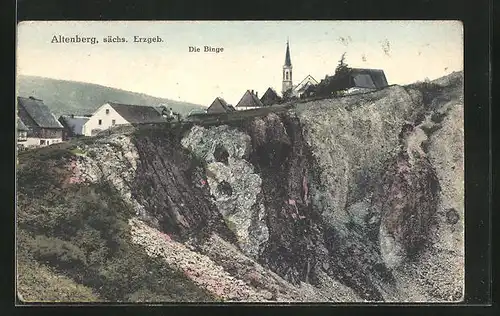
column 342, row 68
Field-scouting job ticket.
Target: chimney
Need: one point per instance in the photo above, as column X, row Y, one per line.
column 256, row 94
column 252, row 91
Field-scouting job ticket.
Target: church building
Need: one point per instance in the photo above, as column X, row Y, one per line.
column 288, row 89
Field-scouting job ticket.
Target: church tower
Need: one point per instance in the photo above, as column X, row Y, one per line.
column 287, row 72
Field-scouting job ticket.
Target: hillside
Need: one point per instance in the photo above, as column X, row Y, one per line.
column 71, row 97
column 350, row 199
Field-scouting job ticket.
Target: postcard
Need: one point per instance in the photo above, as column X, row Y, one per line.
column 240, row 161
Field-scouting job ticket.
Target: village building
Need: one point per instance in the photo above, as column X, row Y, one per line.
column 42, row 126
column 357, row 80
column 301, row 88
column 288, row 89
column 364, row 80
column 73, row 125
column 219, row 105
column 287, row 85
column 22, row 132
column 111, row 114
column 249, row 100
column 270, row 97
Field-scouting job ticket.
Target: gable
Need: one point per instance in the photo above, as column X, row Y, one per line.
column 100, row 114
column 369, row 78
column 249, row 100
column 38, row 112
column 218, row 106
column 364, row 81
column 270, row 97
column 306, row 82
column 21, row 126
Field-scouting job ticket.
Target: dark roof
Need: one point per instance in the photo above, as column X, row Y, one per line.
column 137, row 113
column 73, row 123
column 21, row 126
column 288, row 60
column 369, row 78
column 39, row 112
column 249, row 99
column 219, row 106
column 270, row 97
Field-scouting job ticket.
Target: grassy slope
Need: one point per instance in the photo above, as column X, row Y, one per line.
column 71, row 97
column 74, row 240
column 40, row 283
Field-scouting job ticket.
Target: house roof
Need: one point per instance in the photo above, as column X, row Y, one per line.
column 73, row 122
column 249, row 99
column 369, row 78
column 306, row 82
column 137, row 113
column 39, row 112
column 21, row 126
column 220, row 105
column 270, row 97
column 288, row 60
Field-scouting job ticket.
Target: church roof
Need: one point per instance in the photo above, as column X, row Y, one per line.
column 219, row 105
column 249, row 99
column 288, row 60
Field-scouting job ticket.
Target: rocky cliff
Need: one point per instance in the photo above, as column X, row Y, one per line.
column 357, row 198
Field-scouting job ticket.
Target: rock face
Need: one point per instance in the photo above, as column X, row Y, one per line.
column 232, row 181
column 357, row 198
column 169, row 185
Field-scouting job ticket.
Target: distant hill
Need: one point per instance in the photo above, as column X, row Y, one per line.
column 72, row 97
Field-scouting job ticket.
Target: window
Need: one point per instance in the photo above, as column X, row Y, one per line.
column 286, row 75
column 107, row 111
column 42, row 141
column 100, row 122
column 113, row 122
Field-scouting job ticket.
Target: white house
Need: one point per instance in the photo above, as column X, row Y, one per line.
column 111, row 114
column 299, row 89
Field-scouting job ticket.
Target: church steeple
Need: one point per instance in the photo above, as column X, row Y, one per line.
column 288, row 61
column 287, row 71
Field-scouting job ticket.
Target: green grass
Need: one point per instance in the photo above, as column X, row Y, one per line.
column 78, row 151
column 75, row 240
column 40, row 283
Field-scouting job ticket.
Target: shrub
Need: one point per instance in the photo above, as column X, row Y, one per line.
column 57, row 252
column 86, row 237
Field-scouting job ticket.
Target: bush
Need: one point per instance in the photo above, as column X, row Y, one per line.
column 87, row 237
column 59, row 253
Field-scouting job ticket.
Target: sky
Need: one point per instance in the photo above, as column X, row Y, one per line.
column 252, row 58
